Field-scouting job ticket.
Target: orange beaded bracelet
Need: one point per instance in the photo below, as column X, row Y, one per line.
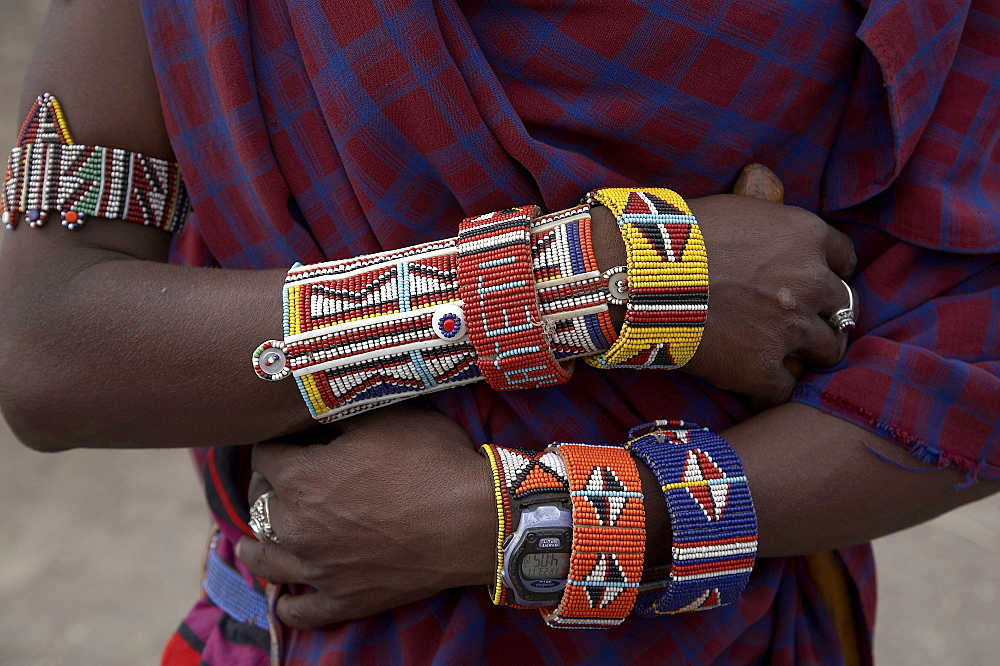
column 609, row 537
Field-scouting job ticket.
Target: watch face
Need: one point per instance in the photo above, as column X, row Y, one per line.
column 536, row 555
column 541, row 566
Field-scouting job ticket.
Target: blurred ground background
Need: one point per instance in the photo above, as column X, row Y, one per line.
column 101, row 551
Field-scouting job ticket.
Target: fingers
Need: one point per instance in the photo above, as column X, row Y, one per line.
column 270, row 561
column 840, row 253
column 777, row 388
column 258, row 486
column 273, row 457
column 309, row 610
column 819, row 342
column 822, row 345
column 836, row 296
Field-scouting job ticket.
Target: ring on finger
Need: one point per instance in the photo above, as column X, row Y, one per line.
column 260, row 519
column 845, row 318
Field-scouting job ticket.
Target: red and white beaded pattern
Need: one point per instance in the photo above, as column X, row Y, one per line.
column 497, row 286
column 48, row 172
column 609, row 537
column 358, row 339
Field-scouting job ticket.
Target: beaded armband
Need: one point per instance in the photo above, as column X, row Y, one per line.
column 372, row 330
column 667, row 283
column 711, row 512
column 609, row 537
column 48, row 172
column 519, row 476
column 497, row 287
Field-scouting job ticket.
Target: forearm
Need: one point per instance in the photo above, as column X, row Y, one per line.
column 109, row 348
column 167, row 347
column 816, row 486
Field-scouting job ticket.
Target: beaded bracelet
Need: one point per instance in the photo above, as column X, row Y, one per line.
column 497, row 287
column 711, row 512
column 519, row 475
column 49, row 172
column 372, row 330
column 609, row 537
column 667, row 283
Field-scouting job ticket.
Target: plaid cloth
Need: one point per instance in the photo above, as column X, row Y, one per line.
column 309, row 130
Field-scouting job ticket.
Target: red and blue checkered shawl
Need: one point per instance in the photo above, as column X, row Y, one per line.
column 313, row 129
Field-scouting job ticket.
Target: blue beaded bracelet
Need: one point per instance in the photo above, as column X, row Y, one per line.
column 711, row 512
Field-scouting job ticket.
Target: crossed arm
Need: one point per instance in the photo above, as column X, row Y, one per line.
column 104, row 345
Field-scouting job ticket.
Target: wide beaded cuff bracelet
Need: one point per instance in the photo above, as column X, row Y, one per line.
column 711, row 512
column 519, row 475
column 667, row 283
column 497, row 287
column 369, row 331
column 49, row 173
column 609, row 537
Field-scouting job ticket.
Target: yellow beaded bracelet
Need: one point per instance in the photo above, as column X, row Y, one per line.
column 667, row 279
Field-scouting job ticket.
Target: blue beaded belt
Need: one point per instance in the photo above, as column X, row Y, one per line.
column 232, row 593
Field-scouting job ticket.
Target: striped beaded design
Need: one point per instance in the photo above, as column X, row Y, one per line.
column 48, row 172
column 667, row 279
column 519, row 476
column 497, row 285
column 569, row 286
column 368, row 331
column 711, row 512
column 498, row 592
column 609, row 537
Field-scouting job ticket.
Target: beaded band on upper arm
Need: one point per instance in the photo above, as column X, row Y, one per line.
column 667, row 279
column 609, row 537
column 48, row 172
column 711, row 512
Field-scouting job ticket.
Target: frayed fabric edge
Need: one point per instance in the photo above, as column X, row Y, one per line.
column 974, row 468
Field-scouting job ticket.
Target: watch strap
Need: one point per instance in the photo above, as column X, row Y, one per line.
column 519, row 477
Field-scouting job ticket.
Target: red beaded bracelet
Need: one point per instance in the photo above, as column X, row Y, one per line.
column 497, row 287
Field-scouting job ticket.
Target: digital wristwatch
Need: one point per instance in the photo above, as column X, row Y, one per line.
column 536, row 554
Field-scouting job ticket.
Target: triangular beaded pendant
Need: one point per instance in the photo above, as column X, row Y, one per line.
column 45, row 123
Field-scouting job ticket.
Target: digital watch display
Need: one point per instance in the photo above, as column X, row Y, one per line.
column 536, row 555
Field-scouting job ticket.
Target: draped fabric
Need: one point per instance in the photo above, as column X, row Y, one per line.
column 313, row 129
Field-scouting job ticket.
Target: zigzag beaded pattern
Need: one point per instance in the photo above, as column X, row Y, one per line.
column 48, row 172
column 497, row 286
column 711, row 511
column 360, row 333
column 667, row 279
column 609, row 537
column 519, row 474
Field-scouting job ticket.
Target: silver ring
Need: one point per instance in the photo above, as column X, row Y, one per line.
column 260, row 519
column 845, row 319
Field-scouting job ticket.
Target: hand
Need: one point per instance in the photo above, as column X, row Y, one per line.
column 397, row 508
column 774, row 279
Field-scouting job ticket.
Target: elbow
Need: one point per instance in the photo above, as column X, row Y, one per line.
column 27, row 406
column 27, row 421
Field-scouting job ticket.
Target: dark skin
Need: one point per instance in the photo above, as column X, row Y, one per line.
column 151, row 331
